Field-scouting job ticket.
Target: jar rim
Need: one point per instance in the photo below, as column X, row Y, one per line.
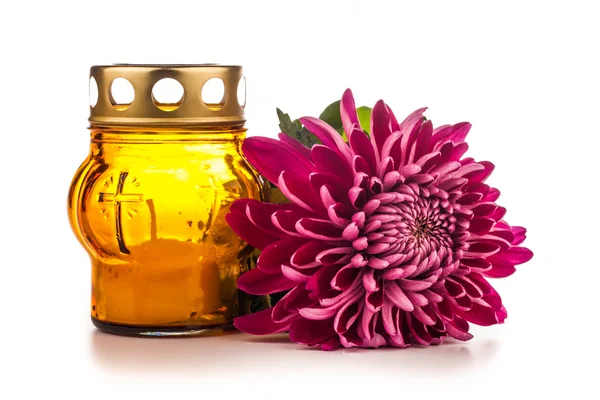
column 143, row 108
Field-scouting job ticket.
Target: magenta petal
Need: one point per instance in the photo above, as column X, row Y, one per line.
column 348, row 111
column 494, row 300
column 520, row 233
column 454, row 288
column 319, row 284
column 278, row 253
column 417, row 299
column 311, row 332
column 457, row 331
column 423, row 143
column 387, row 317
column 380, row 125
column 369, row 281
column 470, row 288
column 484, row 209
column 481, row 315
column 305, row 151
column 400, row 272
column 478, row 264
column 422, row 316
column 299, row 193
column 285, row 220
column 419, row 331
column 281, row 314
column 345, row 277
column 409, row 170
column 334, row 305
column 336, row 186
column 392, row 148
column 295, row 275
column 481, row 225
column 260, row 323
column 374, row 300
column 460, row 132
column 366, row 323
column 516, row 255
column 335, row 255
column 256, row 281
column 320, row 229
column 351, row 337
column 492, row 195
column 393, row 292
column 483, row 175
column 501, row 267
column 347, row 315
column 481, row 282
column 361, row 146
column 298, row 297
column 306, row 255
column 320, row 313
column 328, row 136
column 451, row 184
column 331, row 344
column 260, row 214
column 331, row 162
column 249, row 232
column 414, row 286
column 481, row 249
column 270, row 157
column 440, row 134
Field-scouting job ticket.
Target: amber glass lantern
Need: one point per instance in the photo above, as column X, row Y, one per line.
column 149, row 202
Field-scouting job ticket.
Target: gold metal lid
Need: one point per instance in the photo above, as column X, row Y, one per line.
column 145, row 110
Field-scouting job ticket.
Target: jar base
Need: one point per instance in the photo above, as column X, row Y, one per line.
column 161, row 331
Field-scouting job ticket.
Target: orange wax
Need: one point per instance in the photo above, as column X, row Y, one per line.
column 169, row 281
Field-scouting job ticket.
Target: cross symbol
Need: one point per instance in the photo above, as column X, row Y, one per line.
column 117, row 199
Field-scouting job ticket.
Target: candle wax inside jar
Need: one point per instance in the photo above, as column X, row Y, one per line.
column 167, row 281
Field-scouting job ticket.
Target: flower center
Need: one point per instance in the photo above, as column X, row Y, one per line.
column 421, row 228
column 407, row 233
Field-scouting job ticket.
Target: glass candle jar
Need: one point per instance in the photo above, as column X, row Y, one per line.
column 149, row 202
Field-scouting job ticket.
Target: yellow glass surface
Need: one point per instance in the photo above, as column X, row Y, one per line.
column 149, row 207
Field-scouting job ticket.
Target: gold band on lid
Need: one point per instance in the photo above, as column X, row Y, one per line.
column 190, row 111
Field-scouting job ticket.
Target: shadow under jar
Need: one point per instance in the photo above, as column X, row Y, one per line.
column 149, row 202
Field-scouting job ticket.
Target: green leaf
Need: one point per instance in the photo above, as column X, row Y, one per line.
column 286, row 125
column 295, row 130
column 364, row 117
column 276, row 197
column 332, row 116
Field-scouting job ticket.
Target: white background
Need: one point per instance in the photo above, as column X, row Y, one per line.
column 526, row 74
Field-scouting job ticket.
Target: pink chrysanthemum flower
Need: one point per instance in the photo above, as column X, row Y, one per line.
column 388, row 239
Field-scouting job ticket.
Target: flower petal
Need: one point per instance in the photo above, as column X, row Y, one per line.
column 278, row 253
column 249, row 232
column 257, row 282
column 306, row 255
column 260, row 323
column 331, row 162
column 348, row 111
column 320, row 229
column 305, row 151
column 270, row 157
column 299, row 193
column 396, row 295
column 310, row 332
column 362, row 146
column 380, row 125
column 328, row 136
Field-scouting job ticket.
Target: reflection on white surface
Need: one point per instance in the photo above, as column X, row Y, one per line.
column 238, row 352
